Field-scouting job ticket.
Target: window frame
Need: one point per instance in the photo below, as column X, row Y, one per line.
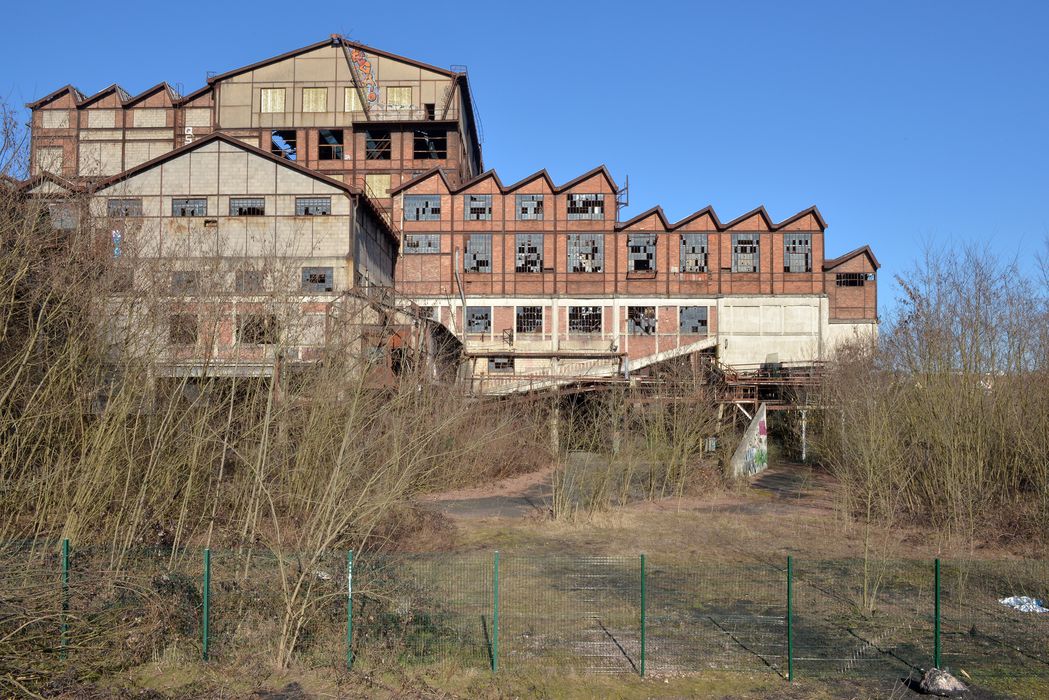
column 274, row 91
column 582, row 324
column 304, row 206
column 179, row 322
column 468, row 321
column 428, row 212
column 797, row 244
column 431, row 244
column 704, row 323
column 594, row 212
column 634, row 327
column 537, row 213
column 331, row 151
column 233, row 204
column 269, row 325
column 135, row 208
column 577, row 245
column 645, row 241
column 525, row 321
column 753, row 241
column 522, row 261
column 689, row 242
column 313, row 287
column 324, row 108
column 470, row 202
column 482, row 244
column 191, row 207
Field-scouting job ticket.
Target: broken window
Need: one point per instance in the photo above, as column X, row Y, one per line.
column 248, row 281
column 584, row 319
column 693, row 320
column 853, row 279
column 189, row 207
column 693, row 252
column 529, row 319
column 745, row 252
column 315, row 99
column 182, row 329
column 329, row 144
column 431, row 111
column 430, row 145
column 641, row 252
column 257, row 329
column 318, row 279
column 247, row 206
column 422, row 207
column 422, row 243
column 185, row 281
column 377, row 144
column 478, row 319
column 63, row 215
column 312, row 206
column 641, row 320
column 478, row 254
column 586, row 206
column 477, row 207
column 529, row 207
column 119, row 208
column 271, row 100
column 283, row 143
column 797, row 252
column 529, row 252
column 399, row 97
column 586, row 252
column 500, row 364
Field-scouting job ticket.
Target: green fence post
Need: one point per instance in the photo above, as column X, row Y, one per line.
column 790, row 618
column 207, row 601
column 495, row 613
column 349, row 610
column 936, row 621
column 644, row 621
column 65, row 596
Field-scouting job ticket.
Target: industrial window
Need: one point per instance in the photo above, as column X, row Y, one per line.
column 257, row 329
column 797, row 252
column 399, row 97
column 853, row 279
column 500, row 364
column 584, row 319
column 284, row 143
column 329, row 144
column 694, row 252
column 248, row 281
column 693, row 320
column 247, row 206
column 529, row 207
column 745, row 252
column 189, row 207
column 185, row 282
column 478, row 255
column 377, row 184
column 529, row 252
column 529, row 319
column 63, row 215
column 422, row 207
column 422, row 243
column 477, row 207
column 641, row 252
column 315, row 99
column 377, row 144
column 586, row 252
column 431, row 111
column 182, row 329
column 586, row 206
column 124, row 207
column 272, row 100
column 430, row 145
column 318, row 279
column 641, row 320
column 478, row 319
column 351, row 100
column 312, row 206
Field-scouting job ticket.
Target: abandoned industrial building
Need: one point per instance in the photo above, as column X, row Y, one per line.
column 340, row 175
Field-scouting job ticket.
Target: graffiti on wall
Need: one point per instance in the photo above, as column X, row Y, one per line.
column 752, row 455
column 368, row 75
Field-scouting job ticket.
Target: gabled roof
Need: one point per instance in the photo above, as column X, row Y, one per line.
column 506, row 189
column 657, row 210
column 172, row 95
column 718, row 225
column 756, row 211
column 30, row 183
column 863, row 250
column 121, row 93
column 77, row 96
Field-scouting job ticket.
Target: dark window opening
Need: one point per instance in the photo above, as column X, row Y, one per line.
column 641, row 320
column 312, row 206
column 478, row 319
column 189, row 207
column 477, row 207
column 377, row 145
column 500, row 364
column 318, row 279
column 182, row 329
column 693, row 320
column 430, row 145
column 584, row 319
column 745, row 252
column 797, row 252
column 431, row 111
column 586, row 206
column 641, row 252
column 283, row 143
column 529, row 252
column 529, row 207
column 529, row 319
column 247, row 206
column 693, row 252
column 257, row 329
column 853, row 279
column 329, row 144
column 586, row 252
column 478, row 254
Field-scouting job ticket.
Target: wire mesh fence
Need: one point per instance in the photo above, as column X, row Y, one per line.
column 594, row 614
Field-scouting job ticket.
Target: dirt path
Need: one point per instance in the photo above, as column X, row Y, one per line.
column 518, row 496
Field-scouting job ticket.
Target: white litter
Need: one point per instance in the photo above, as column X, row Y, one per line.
column 1024, row 603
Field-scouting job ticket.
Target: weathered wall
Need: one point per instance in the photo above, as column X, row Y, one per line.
column 752, row 455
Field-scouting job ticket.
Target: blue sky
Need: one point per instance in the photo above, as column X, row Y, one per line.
column 904, row 122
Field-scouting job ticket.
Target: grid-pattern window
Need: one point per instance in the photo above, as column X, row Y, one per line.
column 377, row 184
column 189, row 207
column 124, row 207
column 745, row 254
column 64, row 216
column 477, row 207
column 693, row 320
column 271, row 100
column 641, row 252
column 284, row 143
column 351, row 100
column 584, row 319
column 529, row 319
column 529, row 252
column 478, row 319
column 377, row 144
column 318, row 279
column 586, row 206
column 185, row 282
column 315, row 99
column 529, row 207
column 586, row 252
column 399, row 97
column 247, row 206
column 182, row 329
column 500, row 364
column 641, row 320
column 478, row 254
column 312, row 206
column 422, row 243
column 422, row 207
column 257, row 329
column 330, row 144
column 797, row 252
column 430, row 145
column 694, row 252
column 248, row 281
column 853, row 279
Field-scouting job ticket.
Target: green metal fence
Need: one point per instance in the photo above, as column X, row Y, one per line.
column 597, row 614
